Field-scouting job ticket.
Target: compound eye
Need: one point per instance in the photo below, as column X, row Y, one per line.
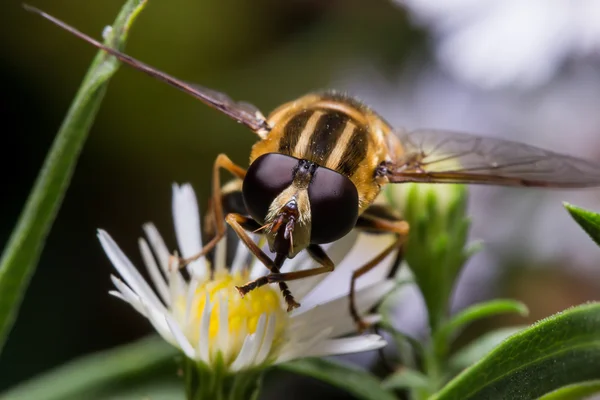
column 333, row 205
column 268, row 176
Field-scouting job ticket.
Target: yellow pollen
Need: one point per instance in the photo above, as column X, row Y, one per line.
column 243, row 313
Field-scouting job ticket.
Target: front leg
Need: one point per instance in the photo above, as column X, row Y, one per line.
column 240, row 223
column 316, row 253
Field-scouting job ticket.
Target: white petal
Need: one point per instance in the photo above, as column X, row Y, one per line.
column 204, row 336
column 158, row 246
column 259, row 335
column 267, row 341
column 221, row 256
column 159, row 322
column 365, row 298
column 337, row 283
column 187, row 226
column 336, row 314
column 190, row 300
column 337, row 251
column 250, row 347
column 257, row 269
column 155, row 274
column 223, row 334
column 339, row 325
column 345, row 346
column 300, row 262
column 137, row 306
column 340, row 248
column 125, row 293
column 127, row 270
column 182, row 341
column 118, row 295
column 240, row 360
column 347, row 325
column 177, row 286
column 241, row 258
column 296, row 349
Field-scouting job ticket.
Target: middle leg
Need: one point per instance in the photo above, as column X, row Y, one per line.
column 316, row 252
column 237, row 222
column 378, row 219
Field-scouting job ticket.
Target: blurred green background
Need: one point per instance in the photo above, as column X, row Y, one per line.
column 149, row 135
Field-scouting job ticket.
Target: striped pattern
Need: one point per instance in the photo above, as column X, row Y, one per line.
column 330, row 138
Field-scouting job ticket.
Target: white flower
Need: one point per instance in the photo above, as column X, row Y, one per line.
column 209, row 321
column 495, row 43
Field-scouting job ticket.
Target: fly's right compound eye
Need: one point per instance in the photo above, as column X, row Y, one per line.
column 268, row 176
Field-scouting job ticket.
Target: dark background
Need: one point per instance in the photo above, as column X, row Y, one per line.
column 148, row 135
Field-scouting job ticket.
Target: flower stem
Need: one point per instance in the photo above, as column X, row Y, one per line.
column 216, row 383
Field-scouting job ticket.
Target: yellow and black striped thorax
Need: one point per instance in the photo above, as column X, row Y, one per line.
column 331, row 130
column 328, row 137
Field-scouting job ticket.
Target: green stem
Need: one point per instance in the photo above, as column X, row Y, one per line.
column 434, row 363
column 217, row 383
column 20, row 256
column 433, row 368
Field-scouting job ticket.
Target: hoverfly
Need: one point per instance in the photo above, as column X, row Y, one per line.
column 321, row 160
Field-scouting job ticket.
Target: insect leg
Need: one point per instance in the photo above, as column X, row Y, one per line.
column 224, row 162
column 378, row 219
column 239, row 223
column 362, row 325
column 382, row 219
column 232, row 202
column 316, row 253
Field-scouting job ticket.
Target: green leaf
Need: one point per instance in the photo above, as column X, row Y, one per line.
column 22, row 252
column 406, row 379
column 555, row 352
column 478, row 311
column 588, row 220
column 358, row 382
column 93, row 376
column 480, row 347
column 574, row 392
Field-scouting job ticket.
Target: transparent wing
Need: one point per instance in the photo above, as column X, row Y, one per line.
column 451, row 157
column 242, row 112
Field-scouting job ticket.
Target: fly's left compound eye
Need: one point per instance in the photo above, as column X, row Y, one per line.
column 268, row 176
column 333, row 205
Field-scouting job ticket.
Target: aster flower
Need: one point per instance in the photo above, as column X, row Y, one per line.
column 213, row 326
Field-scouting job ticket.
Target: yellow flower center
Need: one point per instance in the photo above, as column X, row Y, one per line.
column 243, row 314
